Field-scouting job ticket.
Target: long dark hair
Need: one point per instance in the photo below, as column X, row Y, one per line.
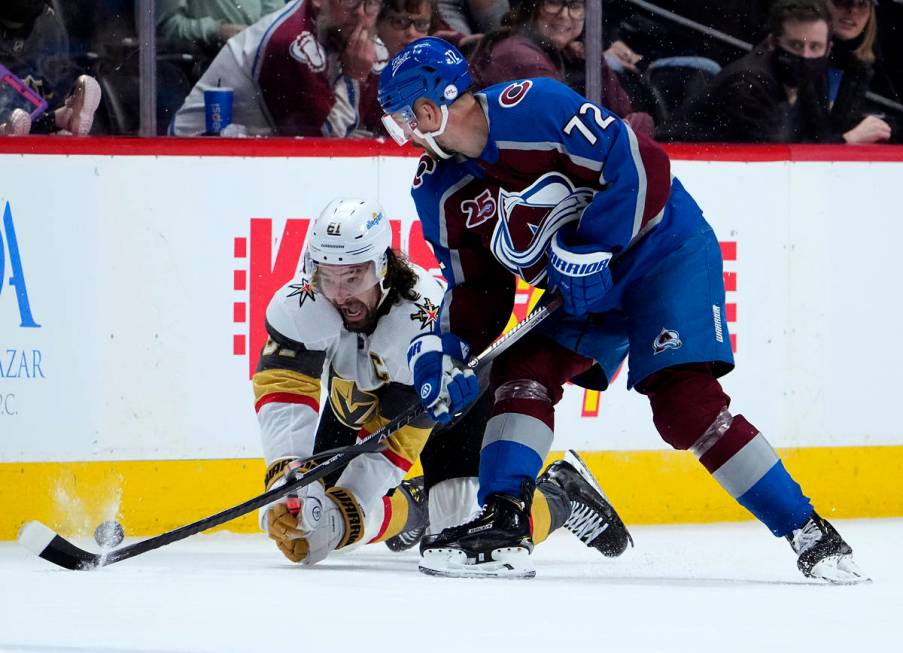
column 400, row 278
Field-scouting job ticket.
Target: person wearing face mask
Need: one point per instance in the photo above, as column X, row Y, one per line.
column 776, row 94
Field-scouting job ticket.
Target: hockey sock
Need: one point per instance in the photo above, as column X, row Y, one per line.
column 517, row 438
column 745, row 465
column 551, row 509
column 395, row 519
column 690, row 411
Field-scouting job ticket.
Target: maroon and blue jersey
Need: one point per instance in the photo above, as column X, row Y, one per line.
column 493, row 217
column 549, row 154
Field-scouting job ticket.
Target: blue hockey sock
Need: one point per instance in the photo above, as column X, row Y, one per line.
column 777, row 501
column 503, row 467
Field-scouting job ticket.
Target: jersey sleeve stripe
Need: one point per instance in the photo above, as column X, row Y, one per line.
column 265, row 41
column 399, row 461
column 287, row 398
column 582, row 161
column 387, row 518
column 641, row 181
column 457, row 270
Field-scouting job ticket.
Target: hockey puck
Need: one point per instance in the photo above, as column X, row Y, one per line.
column 109, row 534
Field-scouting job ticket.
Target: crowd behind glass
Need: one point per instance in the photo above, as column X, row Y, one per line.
column 771, row 71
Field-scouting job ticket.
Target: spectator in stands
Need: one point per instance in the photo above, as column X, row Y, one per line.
column 472, row 17
column 34, row 46
column 310, row 70
column 775, row 94
column 207, row 24
column 850, row 70
column 542, row 38
column 402, row 21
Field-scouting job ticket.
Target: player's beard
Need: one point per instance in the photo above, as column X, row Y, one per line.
column 357, row 317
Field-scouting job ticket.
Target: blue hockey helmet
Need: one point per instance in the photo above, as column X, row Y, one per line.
column 426, row 68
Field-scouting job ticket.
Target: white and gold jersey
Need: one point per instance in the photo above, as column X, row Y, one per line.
column 367, row 381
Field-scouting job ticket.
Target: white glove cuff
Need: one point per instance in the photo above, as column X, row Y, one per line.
column 573, row 264
column 423, row 345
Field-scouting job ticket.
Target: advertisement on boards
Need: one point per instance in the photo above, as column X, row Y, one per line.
column 133, row 296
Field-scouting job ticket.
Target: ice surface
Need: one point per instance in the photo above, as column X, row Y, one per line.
column 725, row 587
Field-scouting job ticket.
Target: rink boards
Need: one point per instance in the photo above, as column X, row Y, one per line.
column 135, row 275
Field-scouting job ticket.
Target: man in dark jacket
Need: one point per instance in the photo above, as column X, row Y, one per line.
column 775, row 94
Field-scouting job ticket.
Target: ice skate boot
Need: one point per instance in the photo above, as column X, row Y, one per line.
column 823, row 554
column 418, row 516
column 593, row 519
column 495, row 544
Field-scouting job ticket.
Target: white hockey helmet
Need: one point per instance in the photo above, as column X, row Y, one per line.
column 349, row 231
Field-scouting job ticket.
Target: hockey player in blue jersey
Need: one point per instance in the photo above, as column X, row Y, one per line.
column 530, row 179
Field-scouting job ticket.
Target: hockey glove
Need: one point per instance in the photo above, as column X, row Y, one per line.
column 581, row 272
column 308, row 526
column 445, row 386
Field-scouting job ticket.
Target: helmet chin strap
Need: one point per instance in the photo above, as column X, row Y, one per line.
column 430, row 137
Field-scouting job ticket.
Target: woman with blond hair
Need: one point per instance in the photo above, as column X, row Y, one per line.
column 854, row 28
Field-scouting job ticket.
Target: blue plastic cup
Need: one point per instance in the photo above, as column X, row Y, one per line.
column 217, row 109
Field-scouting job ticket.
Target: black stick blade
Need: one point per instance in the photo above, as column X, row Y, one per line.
column 44, row 542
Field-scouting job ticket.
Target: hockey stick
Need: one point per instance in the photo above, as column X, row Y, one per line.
column 46, row 543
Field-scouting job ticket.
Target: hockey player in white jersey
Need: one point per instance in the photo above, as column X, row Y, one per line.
column 346, row 323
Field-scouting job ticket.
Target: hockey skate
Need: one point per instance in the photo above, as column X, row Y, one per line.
column 823, row 554
column 418, row 516
column 495, row 544
column 593, row 520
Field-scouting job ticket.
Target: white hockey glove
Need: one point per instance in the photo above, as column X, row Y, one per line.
column 308, row 526
column 445, row 386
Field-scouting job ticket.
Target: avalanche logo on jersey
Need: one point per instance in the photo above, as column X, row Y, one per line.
column 427, row 313
column 667, row 339
column 479, row 210
column 528, row 219
column 352, row 406
column 514, row 93
column 304, row 290
column 308, row 51
column 426, row 166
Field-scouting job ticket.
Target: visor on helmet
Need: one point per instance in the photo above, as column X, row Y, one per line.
column 400, row 124
column 339, row 282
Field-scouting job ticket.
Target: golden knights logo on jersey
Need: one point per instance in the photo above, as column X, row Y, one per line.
column 352, row 406
column 529, row 219
column 427, row 313
column 303, row 291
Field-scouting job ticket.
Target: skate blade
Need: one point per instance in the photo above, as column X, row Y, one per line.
column 510, row 562
column 574, row 459
column 839, row 570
